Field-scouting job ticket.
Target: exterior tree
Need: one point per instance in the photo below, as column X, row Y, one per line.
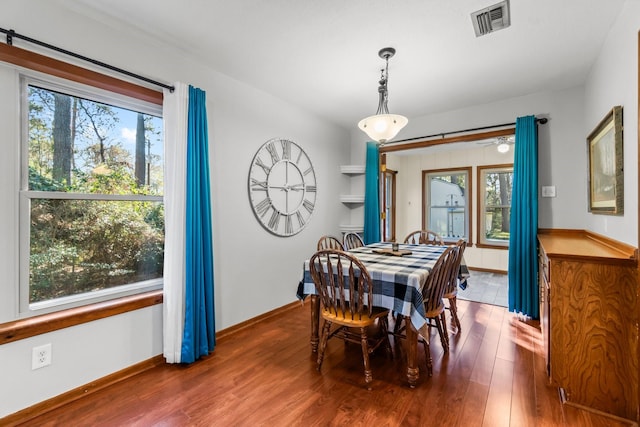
column 62, row 139
column 141, row 162
column 98, row 121
column 505, row 191
column 40, row 134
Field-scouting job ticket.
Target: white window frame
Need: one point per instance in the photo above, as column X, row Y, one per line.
column 468, row 197
column 28, row 77
column 388, row 205
column 482, row 190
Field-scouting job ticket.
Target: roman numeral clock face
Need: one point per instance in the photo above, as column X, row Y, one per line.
column 282, row 187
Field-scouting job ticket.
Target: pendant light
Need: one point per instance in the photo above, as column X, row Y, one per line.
column 383, row 126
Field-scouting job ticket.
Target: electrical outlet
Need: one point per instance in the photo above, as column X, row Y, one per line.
column 41, row 356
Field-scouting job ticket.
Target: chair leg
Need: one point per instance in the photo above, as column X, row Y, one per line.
column 398, row 324
column 442, row 332
column 453, row 308
column 368, row 377
column 384, row 327
column 323, row 343
column 444, row 327
column 427, row 356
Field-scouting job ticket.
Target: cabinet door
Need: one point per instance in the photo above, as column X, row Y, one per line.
column 596, row 322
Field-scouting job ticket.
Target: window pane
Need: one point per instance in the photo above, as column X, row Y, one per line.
column 82, row 146
column 447, row 205
column 80, row 246
column 497, row 223
column 497, row 204
column 498, row 188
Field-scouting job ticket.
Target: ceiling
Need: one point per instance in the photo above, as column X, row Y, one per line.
column 323, row 55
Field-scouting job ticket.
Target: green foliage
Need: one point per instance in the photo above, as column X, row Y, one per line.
column 85, row 245
column 39, row 182
column 498, row 235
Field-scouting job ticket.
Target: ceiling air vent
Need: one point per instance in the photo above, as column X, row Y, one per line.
column 492, row 18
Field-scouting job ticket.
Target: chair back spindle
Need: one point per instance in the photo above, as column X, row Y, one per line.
column 329, row 242
column 352, row 240
column 424, row 237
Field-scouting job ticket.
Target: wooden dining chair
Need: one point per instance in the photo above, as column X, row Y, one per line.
column 451, row 292
column 432, row 295
column 343, row 285
column 352, row 240
column 424, row 237
column 329, row 242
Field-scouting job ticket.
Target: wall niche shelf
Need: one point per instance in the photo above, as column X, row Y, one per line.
column 353, row 201
column 352, row 198
column 352, row 169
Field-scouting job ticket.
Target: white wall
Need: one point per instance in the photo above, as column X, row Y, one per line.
column 613, row 80
column 255, row 272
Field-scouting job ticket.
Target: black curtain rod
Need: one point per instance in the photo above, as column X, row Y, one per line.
column 12, row 34
column 541, row 121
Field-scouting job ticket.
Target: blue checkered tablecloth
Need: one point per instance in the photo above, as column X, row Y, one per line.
column 397, row 280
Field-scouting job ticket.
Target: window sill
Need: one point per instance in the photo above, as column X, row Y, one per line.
column 453, row 242
column 490, row 246
column 38, row 325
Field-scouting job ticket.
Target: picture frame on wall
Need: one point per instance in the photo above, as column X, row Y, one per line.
column 606, row 166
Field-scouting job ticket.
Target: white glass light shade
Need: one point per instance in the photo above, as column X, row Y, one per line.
column 503, row 148
column 382, row 127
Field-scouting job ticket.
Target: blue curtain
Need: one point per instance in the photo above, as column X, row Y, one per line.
column 198, row 338
column 523, row 259
column 371, row 196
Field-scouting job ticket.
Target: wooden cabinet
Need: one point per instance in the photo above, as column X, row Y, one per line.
column 590, row 319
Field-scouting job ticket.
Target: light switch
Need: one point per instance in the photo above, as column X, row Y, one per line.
column 549, row 191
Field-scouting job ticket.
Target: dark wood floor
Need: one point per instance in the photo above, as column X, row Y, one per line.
column 266, row 376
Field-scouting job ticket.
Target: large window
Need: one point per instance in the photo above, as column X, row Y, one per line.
column 447, row 202
column 494, row 213
column 91, row 211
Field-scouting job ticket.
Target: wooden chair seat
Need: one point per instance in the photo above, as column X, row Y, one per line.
column 435, row 312
column 356, row 322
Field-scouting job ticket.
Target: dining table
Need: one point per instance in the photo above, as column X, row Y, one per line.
column 398, row 276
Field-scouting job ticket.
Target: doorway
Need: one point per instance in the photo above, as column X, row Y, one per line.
column 480, row 205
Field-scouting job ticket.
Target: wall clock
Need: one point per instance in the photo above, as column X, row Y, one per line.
column 282, row 187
